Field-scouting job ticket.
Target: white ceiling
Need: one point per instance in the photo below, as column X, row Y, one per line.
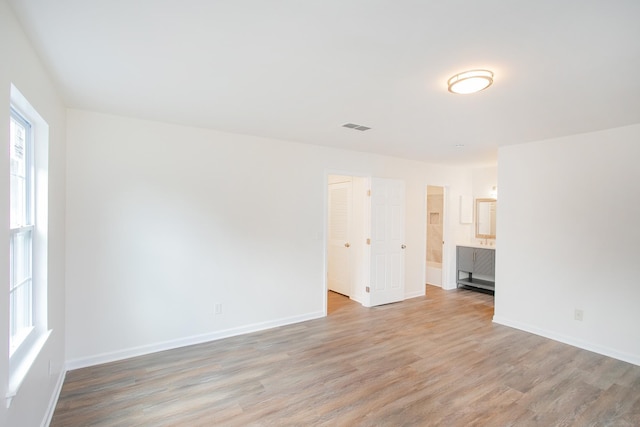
column 299, row 69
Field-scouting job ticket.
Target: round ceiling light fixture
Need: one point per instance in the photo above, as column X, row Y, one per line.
column 471, row 81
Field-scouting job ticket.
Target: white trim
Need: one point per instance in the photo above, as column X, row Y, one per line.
column 53, row 401
column 356, row 299
column 605, row 351
column 446, row 237
column 360, row 297
column 84, row 362
column 24, row 357
column 415, row 294
column 446, row 259
column 21, row 229
column 18, row 373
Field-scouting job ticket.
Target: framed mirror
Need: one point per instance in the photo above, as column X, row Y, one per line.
column 485, row 218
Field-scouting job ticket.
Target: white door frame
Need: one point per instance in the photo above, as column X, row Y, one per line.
column 325, row 243
column 446, row 236
column 339, row 252
column 446, row 259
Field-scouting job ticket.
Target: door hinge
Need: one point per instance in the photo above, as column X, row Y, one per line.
column 368, row 241
column 369, row 193
column 367, row 289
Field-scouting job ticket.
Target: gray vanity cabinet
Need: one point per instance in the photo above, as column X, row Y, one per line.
column 476, row 267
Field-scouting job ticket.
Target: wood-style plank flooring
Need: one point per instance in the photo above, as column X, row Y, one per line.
column 430, row 361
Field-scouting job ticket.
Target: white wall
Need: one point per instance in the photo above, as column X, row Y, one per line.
column 20, row 66
column 568, row 239
column 165, row 221
column 484, row 181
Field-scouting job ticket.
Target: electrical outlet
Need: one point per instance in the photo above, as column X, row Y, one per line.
column 217, row 308
column 578, row 315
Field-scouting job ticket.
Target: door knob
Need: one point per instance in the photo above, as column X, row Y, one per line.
column 403, row 246
column 346, row 245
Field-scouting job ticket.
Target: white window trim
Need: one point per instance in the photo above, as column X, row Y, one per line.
column 23, row 358
column 20, row 371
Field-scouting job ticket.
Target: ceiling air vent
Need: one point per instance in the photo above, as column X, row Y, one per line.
column 355, row 127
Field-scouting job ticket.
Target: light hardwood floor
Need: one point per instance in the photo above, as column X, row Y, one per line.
column 430, row 361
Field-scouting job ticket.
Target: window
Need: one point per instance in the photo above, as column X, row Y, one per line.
column 21, row 234
column 28, row 238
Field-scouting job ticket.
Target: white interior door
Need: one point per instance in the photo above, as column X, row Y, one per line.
column 387, row 241
column 339, row 230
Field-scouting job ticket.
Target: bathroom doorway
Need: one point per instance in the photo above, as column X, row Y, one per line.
column 435, row 235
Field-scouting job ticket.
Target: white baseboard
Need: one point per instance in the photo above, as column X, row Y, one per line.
column 357, row 298
column 415, row 294
column 54, row 398
column 449, row 286
column 605, row 351
column 84, row 362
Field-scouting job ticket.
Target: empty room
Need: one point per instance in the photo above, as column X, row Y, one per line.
column 320, row 213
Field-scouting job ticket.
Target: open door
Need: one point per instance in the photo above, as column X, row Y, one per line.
column 387, row 241
column 339, row 274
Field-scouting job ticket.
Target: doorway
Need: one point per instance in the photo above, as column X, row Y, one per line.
column 435, row 235
column 340, row 234
column 365, row 238
column 346, row 225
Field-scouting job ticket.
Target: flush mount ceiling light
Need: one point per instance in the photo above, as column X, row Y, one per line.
column 470, row 81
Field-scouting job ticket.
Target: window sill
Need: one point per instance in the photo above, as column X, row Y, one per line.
column 19, row 339
column 18, row 373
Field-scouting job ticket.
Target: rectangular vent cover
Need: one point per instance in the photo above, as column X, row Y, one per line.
column 355, row 127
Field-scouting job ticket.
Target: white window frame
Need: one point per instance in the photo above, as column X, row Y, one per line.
column 25, row 229
column 24, row 355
